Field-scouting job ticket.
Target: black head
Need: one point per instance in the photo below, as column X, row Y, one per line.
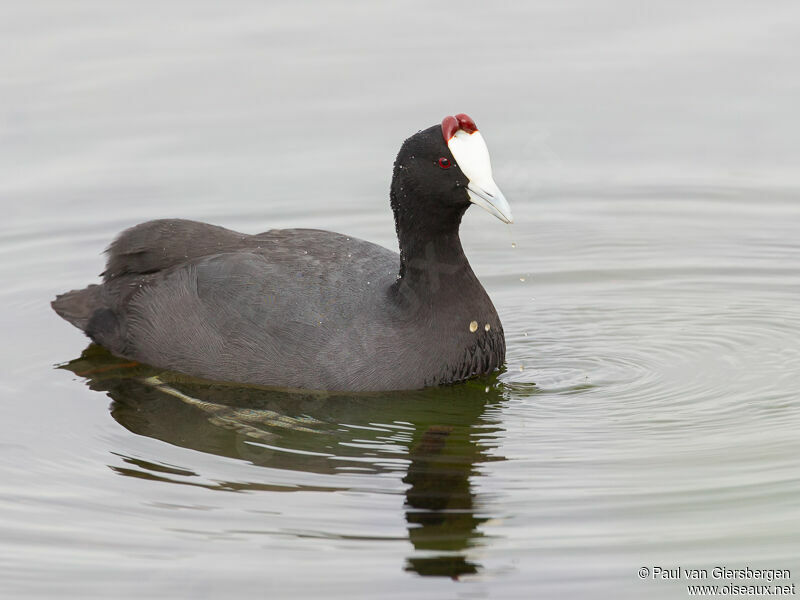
column 438, row 173
column 427, row 180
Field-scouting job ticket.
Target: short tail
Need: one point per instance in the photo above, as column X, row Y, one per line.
column 78, row 306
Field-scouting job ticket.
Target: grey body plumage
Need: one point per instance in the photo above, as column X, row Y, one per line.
column 302, row 308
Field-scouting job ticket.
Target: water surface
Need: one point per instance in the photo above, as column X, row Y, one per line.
column 649, row 410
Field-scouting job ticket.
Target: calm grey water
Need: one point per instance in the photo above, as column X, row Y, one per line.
column 650, row 409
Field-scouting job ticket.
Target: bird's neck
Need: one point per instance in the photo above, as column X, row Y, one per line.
column 431, row 257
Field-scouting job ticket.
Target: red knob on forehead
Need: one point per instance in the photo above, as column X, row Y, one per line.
column 449, row 127
column 452, row 124
column 466, row 123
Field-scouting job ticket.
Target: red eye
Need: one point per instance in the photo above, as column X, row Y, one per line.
column 444, row 163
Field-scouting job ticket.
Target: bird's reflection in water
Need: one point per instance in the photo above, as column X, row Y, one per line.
column 440, row 505
column 436, row 436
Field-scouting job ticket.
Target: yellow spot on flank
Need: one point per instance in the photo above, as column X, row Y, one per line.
column 487, row 327
column 473, row 327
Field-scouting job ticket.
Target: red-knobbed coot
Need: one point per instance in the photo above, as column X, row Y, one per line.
column 304, row 308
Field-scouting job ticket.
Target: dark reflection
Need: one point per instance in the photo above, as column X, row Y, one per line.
column 439, row 503
column 435, row 436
